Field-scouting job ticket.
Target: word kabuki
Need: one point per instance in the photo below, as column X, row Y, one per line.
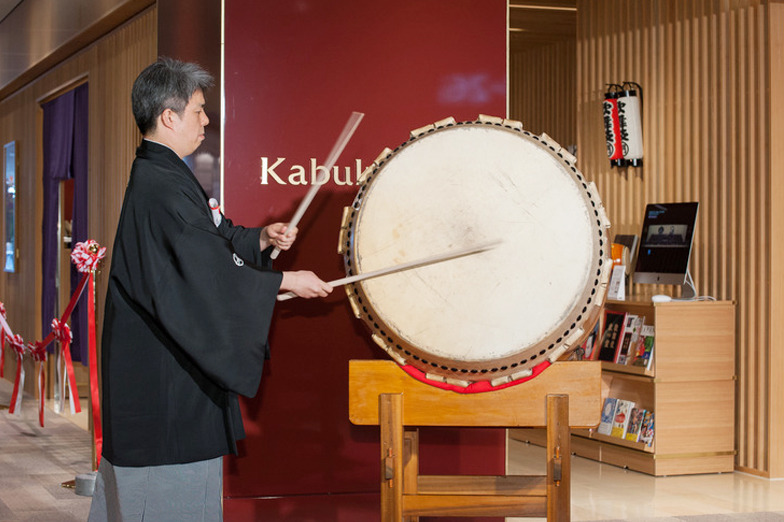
column 623, row 124
column 86, row 257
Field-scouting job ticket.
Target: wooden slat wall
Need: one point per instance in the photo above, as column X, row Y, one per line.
column 704, row 66
column 713, row 131
column 110, row 65
column 541, row 90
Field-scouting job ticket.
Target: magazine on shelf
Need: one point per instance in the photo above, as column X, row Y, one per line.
column 631, row 334
column 608, row 413
column 635, row 424
column 646, row 431
column 623, row 411
column 612, row 335
column 589, row 350
column 645, row 342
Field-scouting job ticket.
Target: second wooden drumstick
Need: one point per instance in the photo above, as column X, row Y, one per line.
column 438, row 258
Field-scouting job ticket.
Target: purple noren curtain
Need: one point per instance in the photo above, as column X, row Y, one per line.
column 65, row 157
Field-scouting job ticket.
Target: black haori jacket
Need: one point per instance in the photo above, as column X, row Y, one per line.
column 187, row 314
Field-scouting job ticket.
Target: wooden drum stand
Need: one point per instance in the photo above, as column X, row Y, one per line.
column 566, row 395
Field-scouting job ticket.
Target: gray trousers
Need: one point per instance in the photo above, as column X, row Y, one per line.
column 175, row 493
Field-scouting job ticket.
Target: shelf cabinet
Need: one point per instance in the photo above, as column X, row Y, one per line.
column 690, row 388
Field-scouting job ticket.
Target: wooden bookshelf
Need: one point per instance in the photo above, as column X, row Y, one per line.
column 690, row 388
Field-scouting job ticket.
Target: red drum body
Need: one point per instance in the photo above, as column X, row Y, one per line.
column 498, row 314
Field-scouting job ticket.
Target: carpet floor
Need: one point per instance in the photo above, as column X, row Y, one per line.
column 35, row 461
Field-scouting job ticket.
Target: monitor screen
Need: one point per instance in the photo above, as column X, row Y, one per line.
column 665, row 243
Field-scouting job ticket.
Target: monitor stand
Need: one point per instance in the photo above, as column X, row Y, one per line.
column 688, row 291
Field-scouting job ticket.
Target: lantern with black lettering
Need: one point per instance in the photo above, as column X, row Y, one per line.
column 630, row 122
column 612, row 129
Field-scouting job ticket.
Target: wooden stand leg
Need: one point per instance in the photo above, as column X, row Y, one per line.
column 390, row 408
column 377, row 390
column 410, row 466
column 558, row 459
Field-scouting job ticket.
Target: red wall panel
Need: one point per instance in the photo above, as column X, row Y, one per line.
column 294, row 72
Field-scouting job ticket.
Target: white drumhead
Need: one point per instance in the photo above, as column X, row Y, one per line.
column 476, row 316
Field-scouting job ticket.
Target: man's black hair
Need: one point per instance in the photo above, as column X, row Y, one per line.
column 166, row 84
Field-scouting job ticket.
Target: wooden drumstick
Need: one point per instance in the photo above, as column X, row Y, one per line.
column 438, row 258
column 340, row 144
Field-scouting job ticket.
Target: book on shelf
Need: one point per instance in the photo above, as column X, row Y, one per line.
column 631, row 334
column 608, row 414
column 645, row 342
column 646, row 430
column 623, row 411
column 635, row 424
column 612, row 335
column 616, row 289
column 589, row 350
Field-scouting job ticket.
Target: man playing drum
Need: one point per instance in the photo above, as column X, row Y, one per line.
column 188, row 310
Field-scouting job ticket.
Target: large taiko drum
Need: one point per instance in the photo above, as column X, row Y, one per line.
column 497, row 315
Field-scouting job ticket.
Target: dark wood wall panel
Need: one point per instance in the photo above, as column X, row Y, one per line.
column 109, row 66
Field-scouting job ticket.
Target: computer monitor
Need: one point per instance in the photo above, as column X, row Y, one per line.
column 665, row 245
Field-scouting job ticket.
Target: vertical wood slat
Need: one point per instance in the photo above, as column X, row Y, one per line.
column 775, row 66
column 761, row 41
column 110, row 64
column 705, row 69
